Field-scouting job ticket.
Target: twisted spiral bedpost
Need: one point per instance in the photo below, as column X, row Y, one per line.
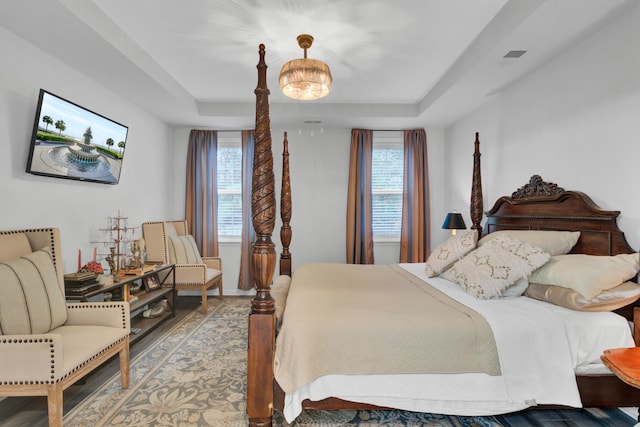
column 476, row 190
column 263, row 201
column 261, row 336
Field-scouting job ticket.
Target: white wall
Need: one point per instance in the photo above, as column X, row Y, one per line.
column 575, row 122
column 79, row 209
column 319, row 166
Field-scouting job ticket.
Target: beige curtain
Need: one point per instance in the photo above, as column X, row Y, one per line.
column 359, row 224
column 201, row 210
column 245, row 280
column 414, row 237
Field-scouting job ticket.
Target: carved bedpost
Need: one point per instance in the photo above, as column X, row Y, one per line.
column 261, row 337
column 285, row 211
column 476, row 189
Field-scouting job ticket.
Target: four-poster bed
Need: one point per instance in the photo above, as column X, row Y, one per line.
column 536, row 206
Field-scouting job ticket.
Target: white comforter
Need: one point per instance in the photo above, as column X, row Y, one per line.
column 540, row 347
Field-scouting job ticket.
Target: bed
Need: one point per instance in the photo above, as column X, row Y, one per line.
column 537, row 205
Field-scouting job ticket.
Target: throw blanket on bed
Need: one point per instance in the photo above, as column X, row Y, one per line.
column 376, row 319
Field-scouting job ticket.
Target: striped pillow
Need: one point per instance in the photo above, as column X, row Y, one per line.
column 183, row 250
column 31, row 301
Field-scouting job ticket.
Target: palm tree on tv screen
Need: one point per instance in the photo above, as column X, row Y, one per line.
column 47, row 121
column 121, row 146
column 61, row 126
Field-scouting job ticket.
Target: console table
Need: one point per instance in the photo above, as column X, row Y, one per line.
column 153, row 287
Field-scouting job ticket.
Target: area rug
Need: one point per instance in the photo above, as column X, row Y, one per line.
column 194, row 376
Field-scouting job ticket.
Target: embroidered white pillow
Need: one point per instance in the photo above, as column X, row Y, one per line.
column 450, row 251
column 587, row 274
column 489, row 270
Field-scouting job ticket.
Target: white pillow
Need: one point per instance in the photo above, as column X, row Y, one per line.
column 443, row 257
column 183, row 250
column 587, row 274
column 489, row 270
column 551, row 242
column 31, row 300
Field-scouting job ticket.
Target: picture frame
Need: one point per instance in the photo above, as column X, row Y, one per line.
column 152, row 282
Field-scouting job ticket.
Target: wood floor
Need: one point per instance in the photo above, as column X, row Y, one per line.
column 32, row 411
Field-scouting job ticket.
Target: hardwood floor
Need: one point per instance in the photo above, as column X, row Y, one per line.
column 32, row 411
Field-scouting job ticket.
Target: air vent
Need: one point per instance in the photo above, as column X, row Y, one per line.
column 515, row 53
column 312, row 122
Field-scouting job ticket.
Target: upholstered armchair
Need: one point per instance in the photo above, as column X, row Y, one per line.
column 46, row 344
column 168, row 242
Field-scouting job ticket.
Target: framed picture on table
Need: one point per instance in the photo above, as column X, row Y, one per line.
column 152, row 282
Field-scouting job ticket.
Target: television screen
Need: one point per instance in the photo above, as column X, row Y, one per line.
column 72, row 142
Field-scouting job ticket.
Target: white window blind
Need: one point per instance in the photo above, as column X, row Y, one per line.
column 229, row 176
column 387, row 167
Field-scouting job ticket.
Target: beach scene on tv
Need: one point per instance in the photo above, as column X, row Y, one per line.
column 73, row 142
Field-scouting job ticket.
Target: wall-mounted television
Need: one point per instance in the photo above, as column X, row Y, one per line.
column 72, row 142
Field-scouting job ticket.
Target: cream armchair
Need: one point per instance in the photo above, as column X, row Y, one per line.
column 46, row 345
column 168, row 242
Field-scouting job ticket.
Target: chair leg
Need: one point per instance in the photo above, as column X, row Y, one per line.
column 205, row 306
column 54, row 403
column 124, row 365
column 220, row 290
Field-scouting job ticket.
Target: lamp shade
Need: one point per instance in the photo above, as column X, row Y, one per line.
column 454, row 221
column 305, row 78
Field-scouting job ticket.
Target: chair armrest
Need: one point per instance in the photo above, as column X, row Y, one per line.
column 115, row 314
column 191, row 274
column 213, row 262
column 31, row 358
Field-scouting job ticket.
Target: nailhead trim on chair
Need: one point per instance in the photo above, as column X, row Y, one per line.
column 102, row 305
column 19, row 341
column 52, row 381
column 31, row 340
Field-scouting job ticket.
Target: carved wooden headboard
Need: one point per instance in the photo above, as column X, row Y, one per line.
column 541, row 205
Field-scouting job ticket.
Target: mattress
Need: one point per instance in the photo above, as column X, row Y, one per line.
column 540, row 347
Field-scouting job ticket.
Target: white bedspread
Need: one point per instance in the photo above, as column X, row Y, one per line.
column 539, row 345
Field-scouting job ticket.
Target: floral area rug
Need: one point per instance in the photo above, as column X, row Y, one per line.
column 195, row 376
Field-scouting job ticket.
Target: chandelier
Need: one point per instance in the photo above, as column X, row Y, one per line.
column 305, row 79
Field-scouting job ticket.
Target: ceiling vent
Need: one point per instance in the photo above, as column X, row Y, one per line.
column 515, row 53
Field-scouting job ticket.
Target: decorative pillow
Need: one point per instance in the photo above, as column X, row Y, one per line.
column 183, row 250
column 551, row 242
column 488, row 271
column 587, row 274
column 609, row 300
column 31, row 300
column 517, row 289
column 449, row 252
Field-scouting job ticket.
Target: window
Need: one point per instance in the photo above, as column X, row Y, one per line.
column 229, row 176
column 387, row 167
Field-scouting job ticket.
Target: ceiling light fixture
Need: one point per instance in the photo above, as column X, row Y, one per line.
column 305, row 79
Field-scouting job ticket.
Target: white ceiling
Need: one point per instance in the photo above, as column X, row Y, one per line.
column 394, row 63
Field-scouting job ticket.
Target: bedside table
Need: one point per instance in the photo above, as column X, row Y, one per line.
column 625, row 364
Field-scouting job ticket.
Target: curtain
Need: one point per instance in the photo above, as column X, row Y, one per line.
column 245, row 280
column 359, row 224
column 201, row 209
column 414, row 237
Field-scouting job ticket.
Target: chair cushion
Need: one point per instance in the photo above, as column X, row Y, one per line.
column 31, row 300
column 183, row 250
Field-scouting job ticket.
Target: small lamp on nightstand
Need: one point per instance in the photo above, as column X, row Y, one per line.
column 453, row 222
